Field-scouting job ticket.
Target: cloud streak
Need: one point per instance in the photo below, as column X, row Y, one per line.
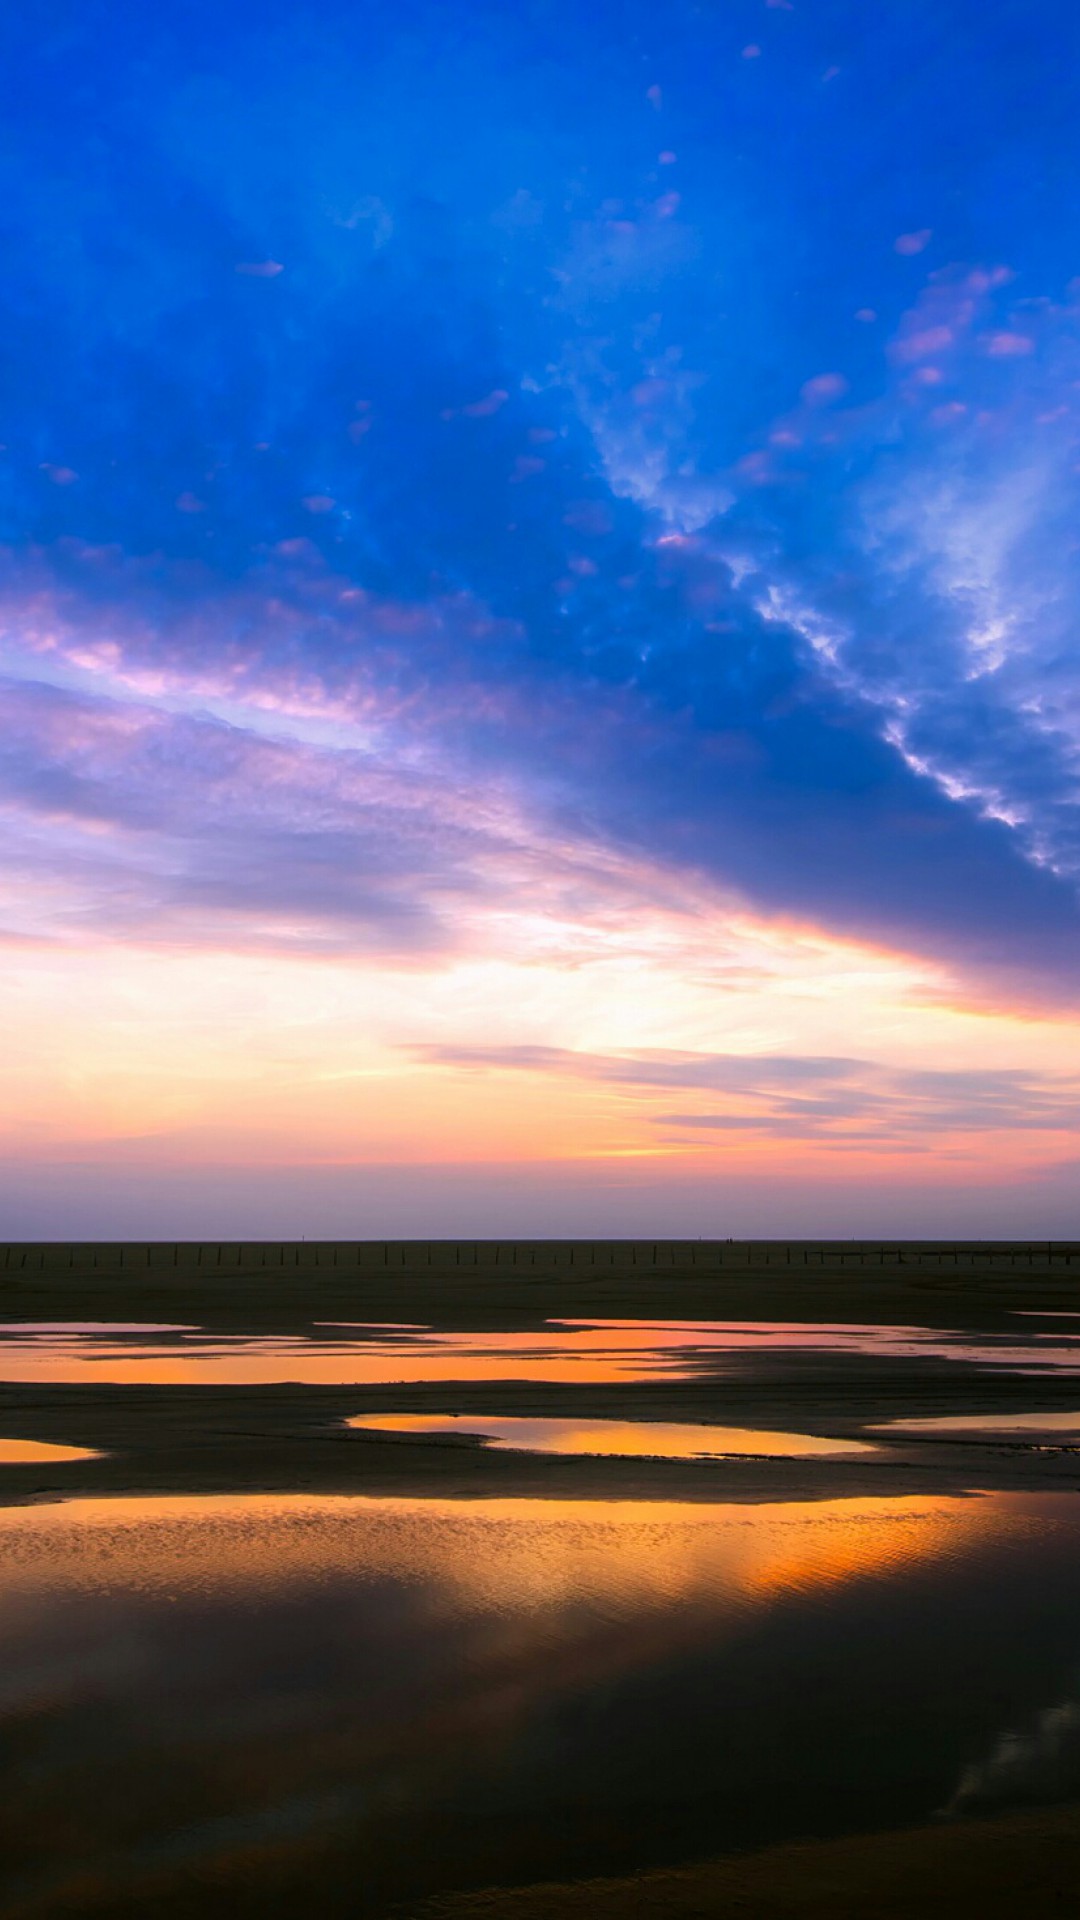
column 803, row 1097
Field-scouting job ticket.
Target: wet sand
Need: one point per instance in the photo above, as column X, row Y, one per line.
column 282, row 1437
column 1019, row 1867
column 295, row 1439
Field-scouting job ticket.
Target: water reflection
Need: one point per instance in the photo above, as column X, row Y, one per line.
column 629, row 1439
column 1021, row 1425
column 501, row 1554
column 331, row 1704
column 18, row 1453
column 55, row 1328
column 559, row 1352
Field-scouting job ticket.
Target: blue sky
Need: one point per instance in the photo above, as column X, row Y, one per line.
column 479, row 484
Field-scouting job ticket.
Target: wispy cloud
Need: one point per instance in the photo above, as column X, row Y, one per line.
column 803, row 1097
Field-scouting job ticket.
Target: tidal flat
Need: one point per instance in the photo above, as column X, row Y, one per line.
column 531, row 1578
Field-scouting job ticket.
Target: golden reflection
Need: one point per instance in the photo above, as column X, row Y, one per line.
column 586, row 1353
column 274, row 1363
column 506, row 1556
column 629, row 1439
column 975, row 1424
column 17, row 1453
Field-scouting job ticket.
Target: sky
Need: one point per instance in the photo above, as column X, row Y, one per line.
column 539, row 577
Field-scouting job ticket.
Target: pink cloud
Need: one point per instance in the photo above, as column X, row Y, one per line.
column 987, row 280
column 921, row 344
column 318, row 502
column 655, row 97
column 752, row 52
column 190, row 503
column 945, row 311
column 60, row 476
column 649, row 393
column 823, row 389
column 1007, row 346
column 666, row 206
column 909, row 243
column 866, row 314
column 757, row 468
column 667, row 158
column 260, row 269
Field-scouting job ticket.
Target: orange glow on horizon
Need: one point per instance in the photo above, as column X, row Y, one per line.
column 538, row 1041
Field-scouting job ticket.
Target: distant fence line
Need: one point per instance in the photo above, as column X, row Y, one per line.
column 234, row 1256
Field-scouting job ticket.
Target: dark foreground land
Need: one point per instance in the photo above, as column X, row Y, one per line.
column 500, row 1283
column 1022, row 1865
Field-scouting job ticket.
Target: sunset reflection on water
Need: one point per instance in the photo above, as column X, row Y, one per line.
column 587, row 1353
column 496, row 1554
column 18, row 1453
column 626, row 1439
column 336, row 1703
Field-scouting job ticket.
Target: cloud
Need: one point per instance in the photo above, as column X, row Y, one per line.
column 694, row 738
column 153, row 825
column 949, row 607
column 823, row 388
column 1006, row 345
column 613, row 543
column 912, row 243
column 837, row 1101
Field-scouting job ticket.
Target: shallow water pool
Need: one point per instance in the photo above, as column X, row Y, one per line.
column 625, row 1439
column 278, row 1705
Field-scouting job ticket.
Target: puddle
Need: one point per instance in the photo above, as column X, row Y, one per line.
column 60, row 1327
column 18, row 1453
column 629, row 1439
column 977, row 1424
column 334, row 1705
column 559, row 1352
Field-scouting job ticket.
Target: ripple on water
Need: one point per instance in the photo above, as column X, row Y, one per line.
column 288, row 1693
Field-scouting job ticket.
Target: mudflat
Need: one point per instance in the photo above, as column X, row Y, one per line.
column 1025, row 1864
column 289, row 1433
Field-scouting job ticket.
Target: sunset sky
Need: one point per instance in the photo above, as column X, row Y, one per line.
column 539, row 577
